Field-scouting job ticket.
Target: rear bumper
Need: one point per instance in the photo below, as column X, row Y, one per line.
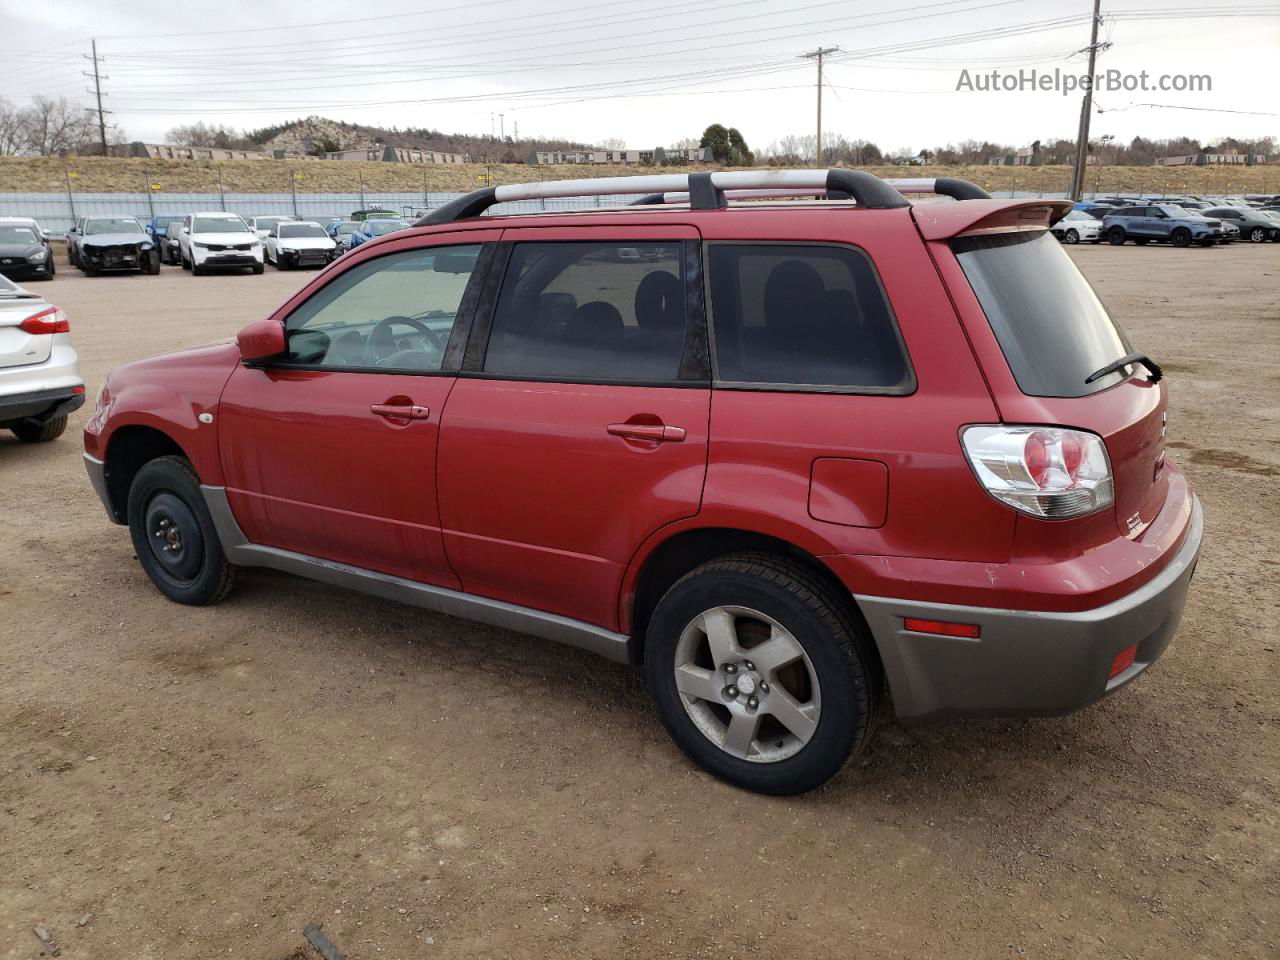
column 39, row 405
column 1028, row 662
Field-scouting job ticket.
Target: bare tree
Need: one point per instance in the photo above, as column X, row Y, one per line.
column 12, row 131
column 206, row 135
column 56, row 126
column 612, row 143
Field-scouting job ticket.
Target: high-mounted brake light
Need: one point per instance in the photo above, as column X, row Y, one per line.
column 52, row 320
column 1046, row 472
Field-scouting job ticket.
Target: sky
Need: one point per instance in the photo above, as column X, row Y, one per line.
column 653, row 73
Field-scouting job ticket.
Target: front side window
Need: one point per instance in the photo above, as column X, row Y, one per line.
column 591, row 311
column 390, row 313
column 808, row 316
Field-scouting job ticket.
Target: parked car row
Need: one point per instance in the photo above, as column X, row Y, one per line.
column 1174, row 221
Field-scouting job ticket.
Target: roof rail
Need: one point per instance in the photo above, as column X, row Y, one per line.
column 942, row 186
column 703, row 191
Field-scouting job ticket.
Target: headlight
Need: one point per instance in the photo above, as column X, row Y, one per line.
column 39, row 255
column 147, row 246
column 197, row 243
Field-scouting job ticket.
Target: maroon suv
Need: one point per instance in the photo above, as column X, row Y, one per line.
column 788, row 454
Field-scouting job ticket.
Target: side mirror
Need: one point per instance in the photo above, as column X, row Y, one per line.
column 261, row 340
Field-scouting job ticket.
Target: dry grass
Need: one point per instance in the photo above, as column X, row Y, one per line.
column 114, row 175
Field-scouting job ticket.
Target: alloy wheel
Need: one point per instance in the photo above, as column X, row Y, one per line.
column 747, row 684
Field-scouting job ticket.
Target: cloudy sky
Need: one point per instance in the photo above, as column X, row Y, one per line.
column 651, row 73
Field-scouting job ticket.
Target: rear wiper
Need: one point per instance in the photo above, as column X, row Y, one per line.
column 1127, row 360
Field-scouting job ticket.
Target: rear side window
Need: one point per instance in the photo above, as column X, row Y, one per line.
column 808, row 316
column 591, row 311
column 1051, row 326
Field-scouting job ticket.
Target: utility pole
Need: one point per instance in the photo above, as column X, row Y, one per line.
column 1086, row 108
column 516, row 133
column 97, row 92
column 502, row 126
column 818, row 55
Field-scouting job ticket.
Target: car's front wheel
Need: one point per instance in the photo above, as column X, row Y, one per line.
column 762, row 674
column 1180, row 237
column 174, row 536
column 1071, row 236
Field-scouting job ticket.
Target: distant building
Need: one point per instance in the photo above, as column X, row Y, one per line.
column 1230, row 158
column 656, row 156
column 171, row 151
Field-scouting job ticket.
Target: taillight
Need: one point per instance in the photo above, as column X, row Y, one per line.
column 1042, row 471
column 52, row 320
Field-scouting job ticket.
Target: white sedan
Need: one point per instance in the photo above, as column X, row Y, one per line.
column 299, row 243
column 1076, row 227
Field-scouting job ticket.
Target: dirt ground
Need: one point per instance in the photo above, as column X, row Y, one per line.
column 191, row 783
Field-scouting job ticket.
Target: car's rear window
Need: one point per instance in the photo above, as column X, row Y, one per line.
column 803, row 317
column 1052, row 327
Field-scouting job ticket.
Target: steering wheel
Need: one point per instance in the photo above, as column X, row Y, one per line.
column 382, row 344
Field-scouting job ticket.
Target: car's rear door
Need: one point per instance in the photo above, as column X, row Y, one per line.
column 578, row 425
column 330, row 451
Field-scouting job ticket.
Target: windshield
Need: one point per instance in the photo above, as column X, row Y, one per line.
column 378, row 228
column 1051, row 326
column 16, row 234
column 112, row 225
column 266, row 223
column 302, row 230
column 219, row 225
column 345, row 229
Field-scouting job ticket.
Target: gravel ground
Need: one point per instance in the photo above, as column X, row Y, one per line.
column 205, row 782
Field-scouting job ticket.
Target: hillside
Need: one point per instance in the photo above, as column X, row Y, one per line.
column 312, row 133
column 120, row 175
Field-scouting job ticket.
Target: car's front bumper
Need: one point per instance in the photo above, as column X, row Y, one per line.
column 97, row 471
column 1027, row 662
column 16, row 268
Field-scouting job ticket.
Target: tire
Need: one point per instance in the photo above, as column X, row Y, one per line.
column 186, row 264
column 1257, row 235
column 1071, row 236
column 829, row 691
column 51, row 429
column 153, row 266
column 1143, row 242
column 174, row 536
column 1116, row 236
column 258, row 268
column 1180, row 237
column 196, row 269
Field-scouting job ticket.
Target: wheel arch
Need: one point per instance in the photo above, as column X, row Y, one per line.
column 670, row 558
column 129, row 449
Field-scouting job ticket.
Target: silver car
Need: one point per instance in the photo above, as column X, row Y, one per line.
column 40, row 382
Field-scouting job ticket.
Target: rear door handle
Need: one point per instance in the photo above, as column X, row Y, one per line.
column 656, row 432
column 400, row 411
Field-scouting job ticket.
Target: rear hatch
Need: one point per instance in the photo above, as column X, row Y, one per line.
column 17, row 347
column 1055, row 335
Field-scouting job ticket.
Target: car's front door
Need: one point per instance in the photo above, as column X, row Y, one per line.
column 330, row 451
column 579, row 423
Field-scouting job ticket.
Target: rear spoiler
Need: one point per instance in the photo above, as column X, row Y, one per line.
column 942, row 221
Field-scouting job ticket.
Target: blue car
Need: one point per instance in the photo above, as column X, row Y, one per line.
column 341, row 232
column 372, row 229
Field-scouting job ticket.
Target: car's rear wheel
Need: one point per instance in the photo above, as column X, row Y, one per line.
column 1116, row 236
column 174, row 536
column 1180, row 237
column 30, row 432
column 1257, row 235
column 762, row 674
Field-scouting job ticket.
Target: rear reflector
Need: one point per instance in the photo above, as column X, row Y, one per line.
column 969, row 631
column 1123, row 661
column 52, row 320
